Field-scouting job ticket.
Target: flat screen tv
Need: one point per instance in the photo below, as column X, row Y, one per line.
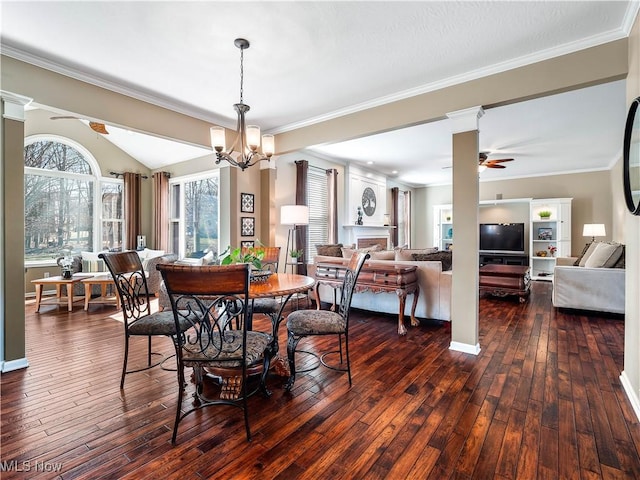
column 502, row 237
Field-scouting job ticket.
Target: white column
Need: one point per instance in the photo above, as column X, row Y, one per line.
column 464, row 284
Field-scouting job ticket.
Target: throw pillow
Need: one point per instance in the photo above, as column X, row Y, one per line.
column 621, row 261
column 588, row 253
column 584, row 250
column 615, row 256
column 406, row 253
column 383, row 255
column 330, row 250
column 445, row 257
column 92, row 263
column 602, row 254
column 348, row 252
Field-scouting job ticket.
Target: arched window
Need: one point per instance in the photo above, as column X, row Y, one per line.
column 69, row 208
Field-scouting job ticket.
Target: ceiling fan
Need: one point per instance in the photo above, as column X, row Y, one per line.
column 483, row 161
column 95, row 126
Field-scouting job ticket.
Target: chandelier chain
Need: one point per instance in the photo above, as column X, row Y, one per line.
column 241, row 73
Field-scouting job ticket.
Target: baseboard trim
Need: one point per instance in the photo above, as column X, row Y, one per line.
column 465, row 348
column 631, row 394
column 12, row 365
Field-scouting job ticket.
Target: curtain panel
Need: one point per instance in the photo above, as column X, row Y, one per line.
column 302, row 168
column 132, row 189
column 161, row 210
column 394, row 215
column 332, row 188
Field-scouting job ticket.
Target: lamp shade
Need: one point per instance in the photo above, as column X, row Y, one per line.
column 593, row 230
column 294, row 215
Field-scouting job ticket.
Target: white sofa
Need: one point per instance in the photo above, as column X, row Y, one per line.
column 585, row 288
column 434, row 300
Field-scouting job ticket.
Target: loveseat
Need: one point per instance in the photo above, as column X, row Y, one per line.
column 584, row 285
column 89, row 262
column 434, row 299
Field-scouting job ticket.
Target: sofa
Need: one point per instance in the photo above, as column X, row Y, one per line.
column 584, row 285
column 89, row 262
column 434, row 299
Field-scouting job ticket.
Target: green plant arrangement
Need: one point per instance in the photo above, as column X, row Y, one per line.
column 296, row 254
column 252, row 256
column 544, row 213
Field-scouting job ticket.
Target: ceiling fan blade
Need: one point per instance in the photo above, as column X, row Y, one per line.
column 63, row 117
column 500, row 160
column 491, row 165
column 98, row 127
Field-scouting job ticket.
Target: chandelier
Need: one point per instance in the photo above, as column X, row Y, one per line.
column 247, row 136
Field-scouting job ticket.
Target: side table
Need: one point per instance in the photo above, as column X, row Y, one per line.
column 104, row 281
column 59, row 282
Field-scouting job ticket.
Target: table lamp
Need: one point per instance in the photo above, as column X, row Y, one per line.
column 593, row 230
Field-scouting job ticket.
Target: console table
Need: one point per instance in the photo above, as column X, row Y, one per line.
column 401, row 279
column 502, row 280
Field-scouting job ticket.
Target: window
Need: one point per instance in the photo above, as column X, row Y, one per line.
column 318, row 200
column 193, row 226
column 65, row 200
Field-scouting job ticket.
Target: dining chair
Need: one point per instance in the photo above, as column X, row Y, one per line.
column 305, row 323
column 131, row 283
column 214, row 301
column 268, row 306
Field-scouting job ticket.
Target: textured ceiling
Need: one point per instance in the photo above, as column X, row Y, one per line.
column 308, row 61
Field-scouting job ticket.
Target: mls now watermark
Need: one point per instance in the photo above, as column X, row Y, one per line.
column 29, row 466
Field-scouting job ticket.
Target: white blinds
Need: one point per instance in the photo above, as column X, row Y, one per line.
column 318, row 200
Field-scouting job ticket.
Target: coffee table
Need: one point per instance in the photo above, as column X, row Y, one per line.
column 59, row 282
column 104, row 281
column 503, row 280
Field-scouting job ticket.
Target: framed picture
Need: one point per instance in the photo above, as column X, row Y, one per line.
column 247, row 202
column 247, row 244
column 247, row 226
column 545, row 233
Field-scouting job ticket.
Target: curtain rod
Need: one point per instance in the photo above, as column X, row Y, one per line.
column 118, row 174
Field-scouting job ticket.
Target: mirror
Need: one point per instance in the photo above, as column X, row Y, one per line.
column 632, row 158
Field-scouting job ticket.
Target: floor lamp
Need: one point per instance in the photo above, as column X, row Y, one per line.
column 293, row 215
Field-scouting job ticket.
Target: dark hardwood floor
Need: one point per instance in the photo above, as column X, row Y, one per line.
column 543, row 399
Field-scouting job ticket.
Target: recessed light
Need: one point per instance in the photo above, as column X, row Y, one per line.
column 394, row 171
column 369, row 162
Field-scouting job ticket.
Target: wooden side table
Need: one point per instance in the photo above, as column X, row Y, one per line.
column 104, row 281
column 59, row 282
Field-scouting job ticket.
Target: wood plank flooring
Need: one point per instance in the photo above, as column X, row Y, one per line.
column 542, row 400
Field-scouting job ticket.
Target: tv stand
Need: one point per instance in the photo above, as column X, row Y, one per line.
column 504, row 259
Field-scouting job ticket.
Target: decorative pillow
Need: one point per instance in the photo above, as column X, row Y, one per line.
column 615, row 256
column 330, row 250
column 603, row 253
column 406, row 253
column 348, row 252
column 621, row 261
column 149, row 254
column 92, row 263
column 443, row 256
column 588, row 253
column 584, row 250
column 383, row 255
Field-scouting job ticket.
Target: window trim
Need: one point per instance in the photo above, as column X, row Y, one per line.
column 96, row 177
column 182, row 180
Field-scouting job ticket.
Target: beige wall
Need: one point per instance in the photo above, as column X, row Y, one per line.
column 592, row 200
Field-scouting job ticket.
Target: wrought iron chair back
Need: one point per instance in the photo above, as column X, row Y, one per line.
column 213, row 300
column 131, row 282
column 304, row 323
